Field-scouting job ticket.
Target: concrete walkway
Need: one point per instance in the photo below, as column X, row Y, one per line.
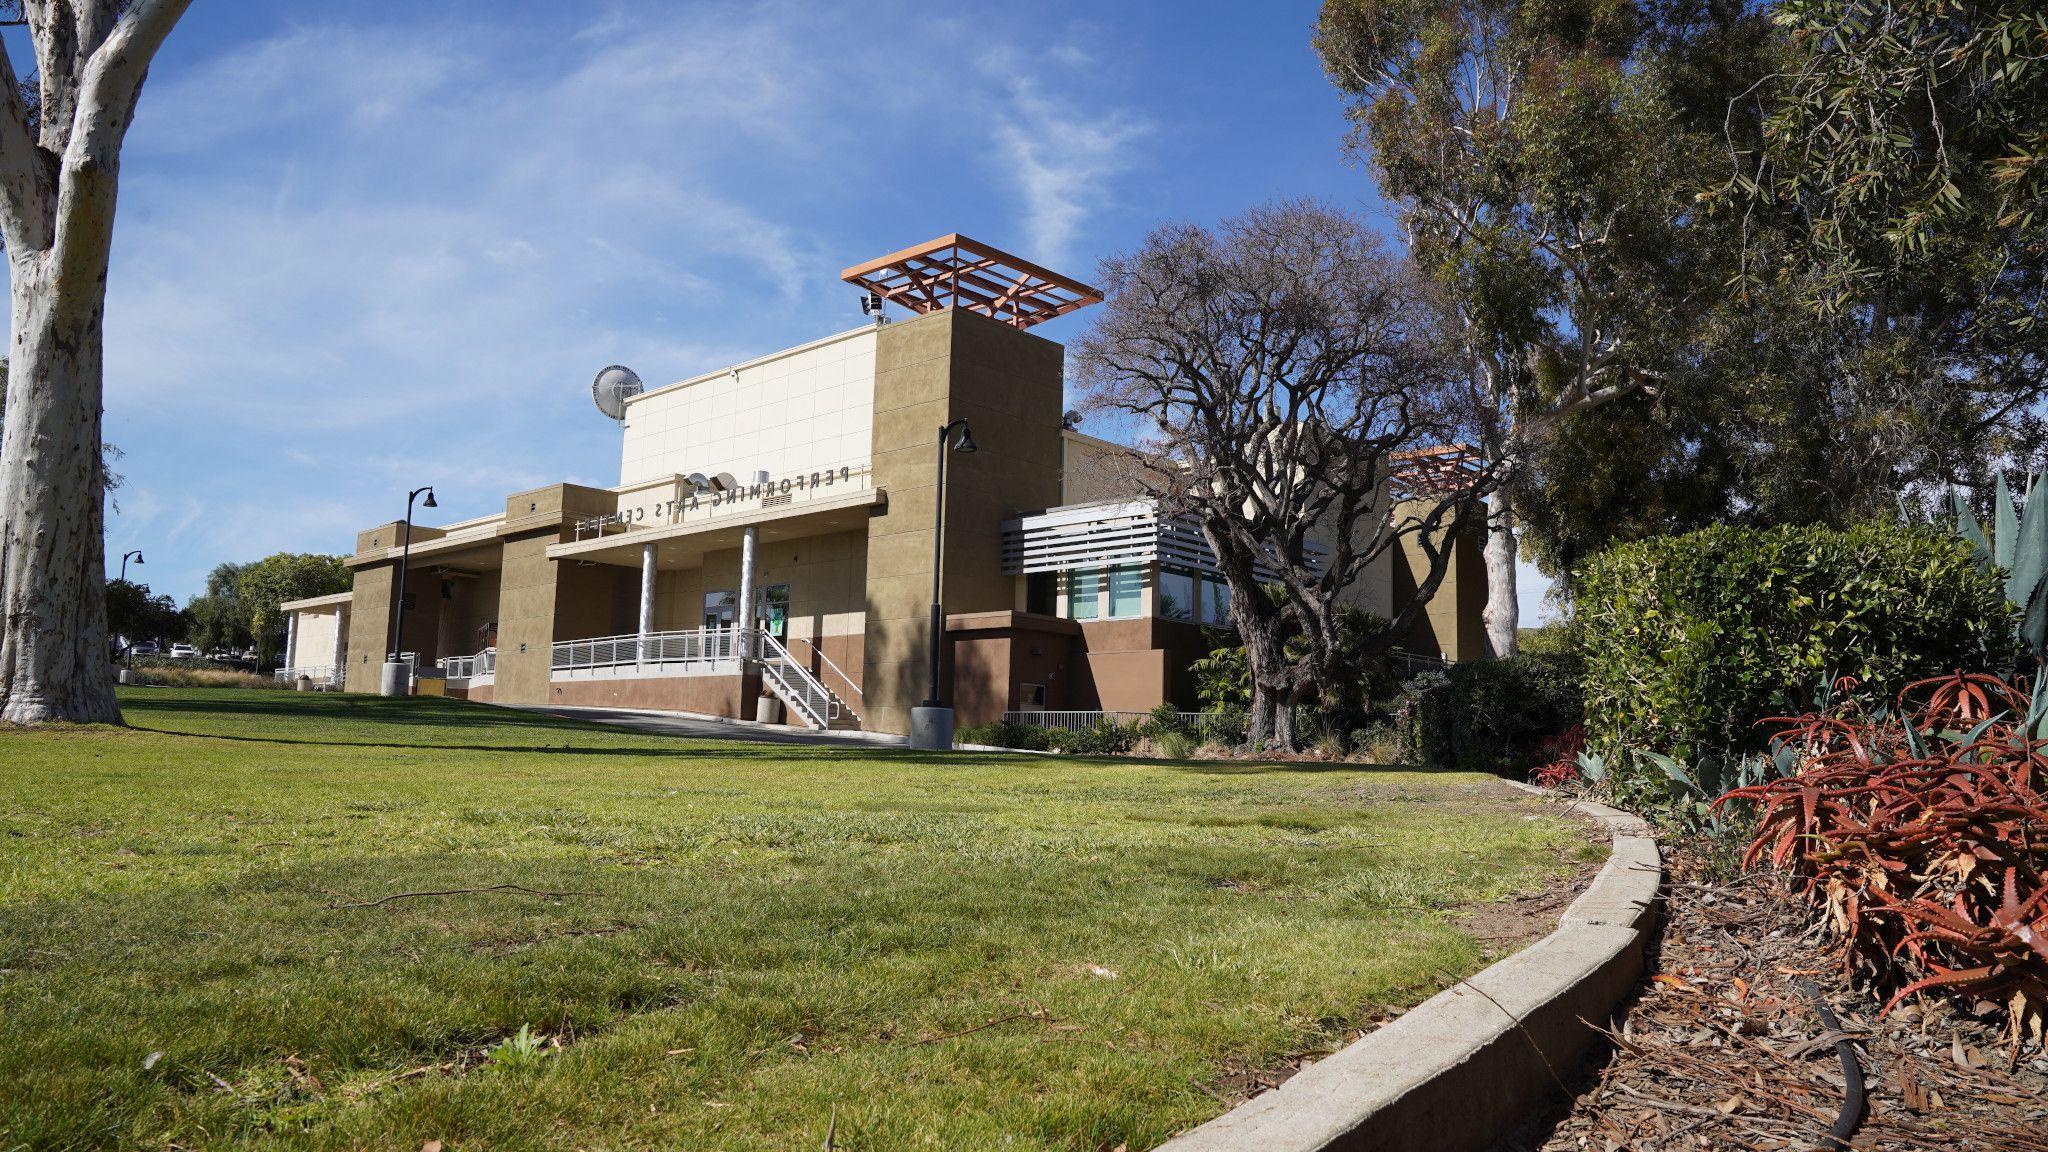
column 698, row 726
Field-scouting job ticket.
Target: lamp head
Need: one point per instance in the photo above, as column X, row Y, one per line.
column 429, row 501
column 138, row 557
column 965, row 442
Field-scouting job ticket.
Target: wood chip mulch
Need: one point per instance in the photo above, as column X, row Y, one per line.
column 1722, row 1050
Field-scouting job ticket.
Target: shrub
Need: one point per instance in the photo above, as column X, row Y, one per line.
column 1175, row 745
column 1925, row 834
column 1689, row 641
column 1105, row 737
column 1005, row 734
column 1490, row 715
column 1165, row 719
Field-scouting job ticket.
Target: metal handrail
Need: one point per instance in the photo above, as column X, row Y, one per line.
column 701, row 646
column 819, row 706
column 834, row 667
column 484, row 663
column 1075, row 721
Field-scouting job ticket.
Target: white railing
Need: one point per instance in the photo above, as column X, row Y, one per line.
column 321, row 674
column 827, row 661
column 701, row 651
column 702, row 646
column 1077, row 721
column 794, row 683
column 484, row 663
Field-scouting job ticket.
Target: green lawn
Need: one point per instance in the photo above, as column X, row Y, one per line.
column 752, row 939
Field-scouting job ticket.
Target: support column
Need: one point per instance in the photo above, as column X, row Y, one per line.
column 745, row 618
column 340, row 662
column 291, row 641
column 646, row 598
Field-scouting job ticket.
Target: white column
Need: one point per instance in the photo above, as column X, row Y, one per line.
column 339, row 673
column 291, row 640
column 746, row 608
column 646, row 597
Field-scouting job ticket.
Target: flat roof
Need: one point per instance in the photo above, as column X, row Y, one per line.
column 328, row 601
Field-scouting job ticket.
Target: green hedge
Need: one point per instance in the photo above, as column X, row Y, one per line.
column 1689, row 641
column 1489, row 715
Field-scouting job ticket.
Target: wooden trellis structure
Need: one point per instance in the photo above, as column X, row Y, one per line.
column 957, row 272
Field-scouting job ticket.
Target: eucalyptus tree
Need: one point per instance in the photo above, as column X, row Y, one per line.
column 1546, row 179
column 1275, row 365
column 1898, row 190
column 60, row 158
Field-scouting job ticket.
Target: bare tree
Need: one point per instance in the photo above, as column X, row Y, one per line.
column 1279, row 363
column 60, row 155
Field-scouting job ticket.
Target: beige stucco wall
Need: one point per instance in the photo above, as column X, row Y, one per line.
column 928, row 372
column 801, row 410
column 369, row 623
column 1092, row 469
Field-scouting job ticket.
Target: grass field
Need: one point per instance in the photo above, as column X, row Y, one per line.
column 751, row 940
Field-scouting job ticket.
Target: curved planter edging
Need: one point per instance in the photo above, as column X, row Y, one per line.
column 1459, row 1071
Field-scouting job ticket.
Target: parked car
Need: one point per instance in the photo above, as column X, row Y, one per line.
column 143, row 648
column 184, row 652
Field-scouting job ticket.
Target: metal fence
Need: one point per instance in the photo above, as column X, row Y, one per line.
column 484, row 663
column 321, row 674
column 1077, row 721
column 702, row 646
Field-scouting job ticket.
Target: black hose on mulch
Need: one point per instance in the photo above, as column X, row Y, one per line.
column 1851, row 1115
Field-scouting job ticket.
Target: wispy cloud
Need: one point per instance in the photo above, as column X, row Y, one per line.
column 1063, row 154
column 356, row 257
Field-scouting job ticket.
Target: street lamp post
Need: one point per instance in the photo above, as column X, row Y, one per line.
column 931, row 723
column 395, row 680
column 128, row 650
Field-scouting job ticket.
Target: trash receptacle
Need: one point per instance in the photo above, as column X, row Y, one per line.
column 768, row 710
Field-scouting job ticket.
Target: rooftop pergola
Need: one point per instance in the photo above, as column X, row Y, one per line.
column 1433, row 471
column 957, row 272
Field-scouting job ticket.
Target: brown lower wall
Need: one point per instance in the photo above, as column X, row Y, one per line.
column 711, row 695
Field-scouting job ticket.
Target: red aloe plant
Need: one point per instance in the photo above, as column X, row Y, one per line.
column 1924, row 834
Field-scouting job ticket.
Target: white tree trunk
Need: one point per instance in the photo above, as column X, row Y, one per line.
column 53, row 612
column 1503, row 599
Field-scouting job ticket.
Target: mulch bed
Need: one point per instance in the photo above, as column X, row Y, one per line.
column 1722, row 1049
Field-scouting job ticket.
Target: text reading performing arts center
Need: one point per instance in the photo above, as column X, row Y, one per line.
column 772, row 533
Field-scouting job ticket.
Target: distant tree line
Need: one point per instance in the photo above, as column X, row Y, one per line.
column 239, row 609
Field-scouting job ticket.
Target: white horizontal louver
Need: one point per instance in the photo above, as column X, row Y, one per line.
column 1098, row 535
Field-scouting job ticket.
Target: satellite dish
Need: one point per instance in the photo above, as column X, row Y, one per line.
column 613, row 387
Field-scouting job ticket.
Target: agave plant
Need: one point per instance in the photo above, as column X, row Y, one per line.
column 2017, row 546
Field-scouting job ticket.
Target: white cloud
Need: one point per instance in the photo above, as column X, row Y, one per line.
column 1063, row 155
column 425, row 238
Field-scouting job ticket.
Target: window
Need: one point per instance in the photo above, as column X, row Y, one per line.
column 1176, row 594
column 1084, row 593
column 1042, row 593
column 1215, row 602
column 1030, row 697
column 721, row 609
column 1127, row 590
column 771, row 610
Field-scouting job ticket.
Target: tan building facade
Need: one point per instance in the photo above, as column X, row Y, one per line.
column 772, row 537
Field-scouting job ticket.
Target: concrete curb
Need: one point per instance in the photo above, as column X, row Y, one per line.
column 1459, row 1071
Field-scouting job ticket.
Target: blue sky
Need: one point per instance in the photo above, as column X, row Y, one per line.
column 370, row 246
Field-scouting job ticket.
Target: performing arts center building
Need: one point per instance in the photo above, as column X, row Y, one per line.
column 772, row 534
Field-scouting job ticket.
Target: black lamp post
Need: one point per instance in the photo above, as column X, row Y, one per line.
column 965, row 443
column 124, row 562
column 405, row 554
